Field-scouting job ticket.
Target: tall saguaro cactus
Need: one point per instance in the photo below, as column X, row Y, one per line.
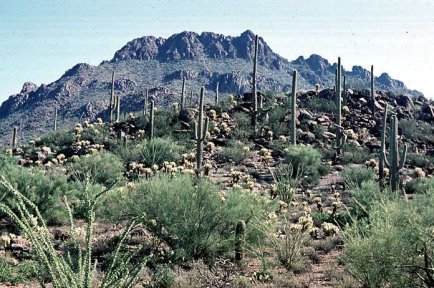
column 381, row 164
column 293, row 108
column 183, row 94
column 254, row 92
column 341, row 138
column 55, row 119
column 344, row 92
column 118, row 108
column 216, row 100
column 372, row 92
column 112, row 97
column 151, row 120
column 200, row 131
column 14, row 138
column 145, row 105
column 396, row 163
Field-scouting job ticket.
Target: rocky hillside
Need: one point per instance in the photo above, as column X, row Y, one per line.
column 159, row 64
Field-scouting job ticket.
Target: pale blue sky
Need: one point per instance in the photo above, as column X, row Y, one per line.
column 40, row 40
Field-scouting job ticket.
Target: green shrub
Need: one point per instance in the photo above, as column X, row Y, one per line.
column 305, row 161
column 321, row 105
column 23, row 273
column 158, row 150
column 354, row 176
column 57, row 139
column 396, row 247
column 197, row 222
column 286, row 182
column 419, row 185
column 276, row 123
column 43, row 190
column 243, row 128
column 235, row 151
column 102, row 167
column 355, row 155
column 417, row 130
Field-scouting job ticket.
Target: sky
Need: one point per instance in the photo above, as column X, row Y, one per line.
column 41, row 39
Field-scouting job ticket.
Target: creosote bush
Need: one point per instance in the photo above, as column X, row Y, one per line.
column 395, row 247
column 305, row 161
column 191, row 215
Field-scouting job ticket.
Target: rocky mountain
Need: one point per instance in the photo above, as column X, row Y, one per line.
column 159, row 65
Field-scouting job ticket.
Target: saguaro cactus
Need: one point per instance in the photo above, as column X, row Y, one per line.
column 381, row 165
column 344, row 92
column 396, row 163
column 240, row 235
column 145, row 104
column 372, row 92
column 216, row 100
column 55, row 119
column 151, row 120
column 254, row 92
column 183, row 94
column 293, row 108
column 341, row 138
column 14, row 138
column 118, row 108
column 112, row 97
column 200, row 131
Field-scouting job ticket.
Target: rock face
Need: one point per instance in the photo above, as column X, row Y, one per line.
column 158, row 65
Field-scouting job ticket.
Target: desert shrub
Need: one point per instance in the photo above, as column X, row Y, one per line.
column 236, row 152
column 22, row 273
column 243, row 127
column 395, row 248
column 197, row 221
column 418, row 160
column 133, row 152
column 158, row 150
column 354, row 176
column 164, row 121
column 43, row 190
column 417, row 130
column 305, row 161
column 355, row 155
column 57, row 139
column 103, row 167
column 321, row 105
column 276, row 123
column 419, row 185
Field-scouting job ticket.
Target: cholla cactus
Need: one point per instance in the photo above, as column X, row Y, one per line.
column 419, row 173
column 329, row 229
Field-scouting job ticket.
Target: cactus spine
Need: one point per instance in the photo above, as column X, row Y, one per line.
column 341, row 138
column 112, row 97
column 151, row 120
column 372, row 91
column 200, row 131
column 396, row 162
column 254, row 92
column 55, row 118
column 240, row 235
column 293, row 107
column 183, row 94
column 14, row 138
column 381, row 165
column 216, row 100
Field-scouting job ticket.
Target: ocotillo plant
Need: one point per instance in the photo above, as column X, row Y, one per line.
column 55, row 119
column 340, row 136
column 145, row 104
column 200, row 131
column 151, row 120
column 14, row 138
column 216, row 100
column 372, row 92
column 240, row 235
column 183, row 94
column 293, row 107
column 118, row 108
column 396, row 163
column 112, row 97
column 254, row 92
column 381, row 165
